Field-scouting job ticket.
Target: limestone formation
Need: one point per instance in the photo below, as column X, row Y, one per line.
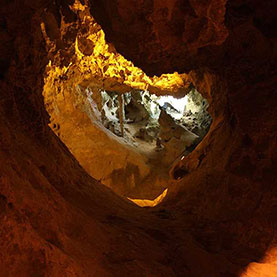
column 218, row 217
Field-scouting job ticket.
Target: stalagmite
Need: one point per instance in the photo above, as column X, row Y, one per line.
column 120, row 100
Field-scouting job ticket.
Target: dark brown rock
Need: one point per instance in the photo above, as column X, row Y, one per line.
column 55, row 220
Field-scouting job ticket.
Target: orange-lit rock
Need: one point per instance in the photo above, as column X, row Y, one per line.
column 167, row 35
column 96, row 65
column 219, row 219
column 150, row 203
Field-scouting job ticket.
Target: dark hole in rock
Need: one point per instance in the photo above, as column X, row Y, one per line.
column 179, row 173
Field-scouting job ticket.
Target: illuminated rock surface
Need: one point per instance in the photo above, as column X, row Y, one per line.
column 218, row 218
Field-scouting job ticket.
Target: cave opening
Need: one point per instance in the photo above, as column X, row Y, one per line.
column 129, row 128
column 152, row 122
column 141, row 135
column 160, row 129
column 219, row 215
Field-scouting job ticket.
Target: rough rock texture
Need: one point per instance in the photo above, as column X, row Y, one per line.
column 174, row 137
column 87, row 62
column 218, row 220
column 162, row 36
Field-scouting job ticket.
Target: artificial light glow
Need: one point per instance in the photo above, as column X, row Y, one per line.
column 178, row 104
column 150, row 203
column 105, row 69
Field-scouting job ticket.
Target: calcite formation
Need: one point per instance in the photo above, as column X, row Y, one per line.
column 219, row 215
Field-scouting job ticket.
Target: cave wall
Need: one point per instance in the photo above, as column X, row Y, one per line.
column 80, row 59
column 218, row 220
column 169, row 33
column 55, row 219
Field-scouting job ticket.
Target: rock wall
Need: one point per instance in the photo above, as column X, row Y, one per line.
column 162, row 36
column 80, row 59
column 218, row 220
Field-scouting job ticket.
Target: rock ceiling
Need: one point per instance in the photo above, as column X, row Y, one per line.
column 220, row 219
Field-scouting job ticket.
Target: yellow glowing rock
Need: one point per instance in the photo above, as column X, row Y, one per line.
column 150, row 203
column 95, row 64
column 108, row 66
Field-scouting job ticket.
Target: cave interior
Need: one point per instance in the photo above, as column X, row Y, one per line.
column 138, row 138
